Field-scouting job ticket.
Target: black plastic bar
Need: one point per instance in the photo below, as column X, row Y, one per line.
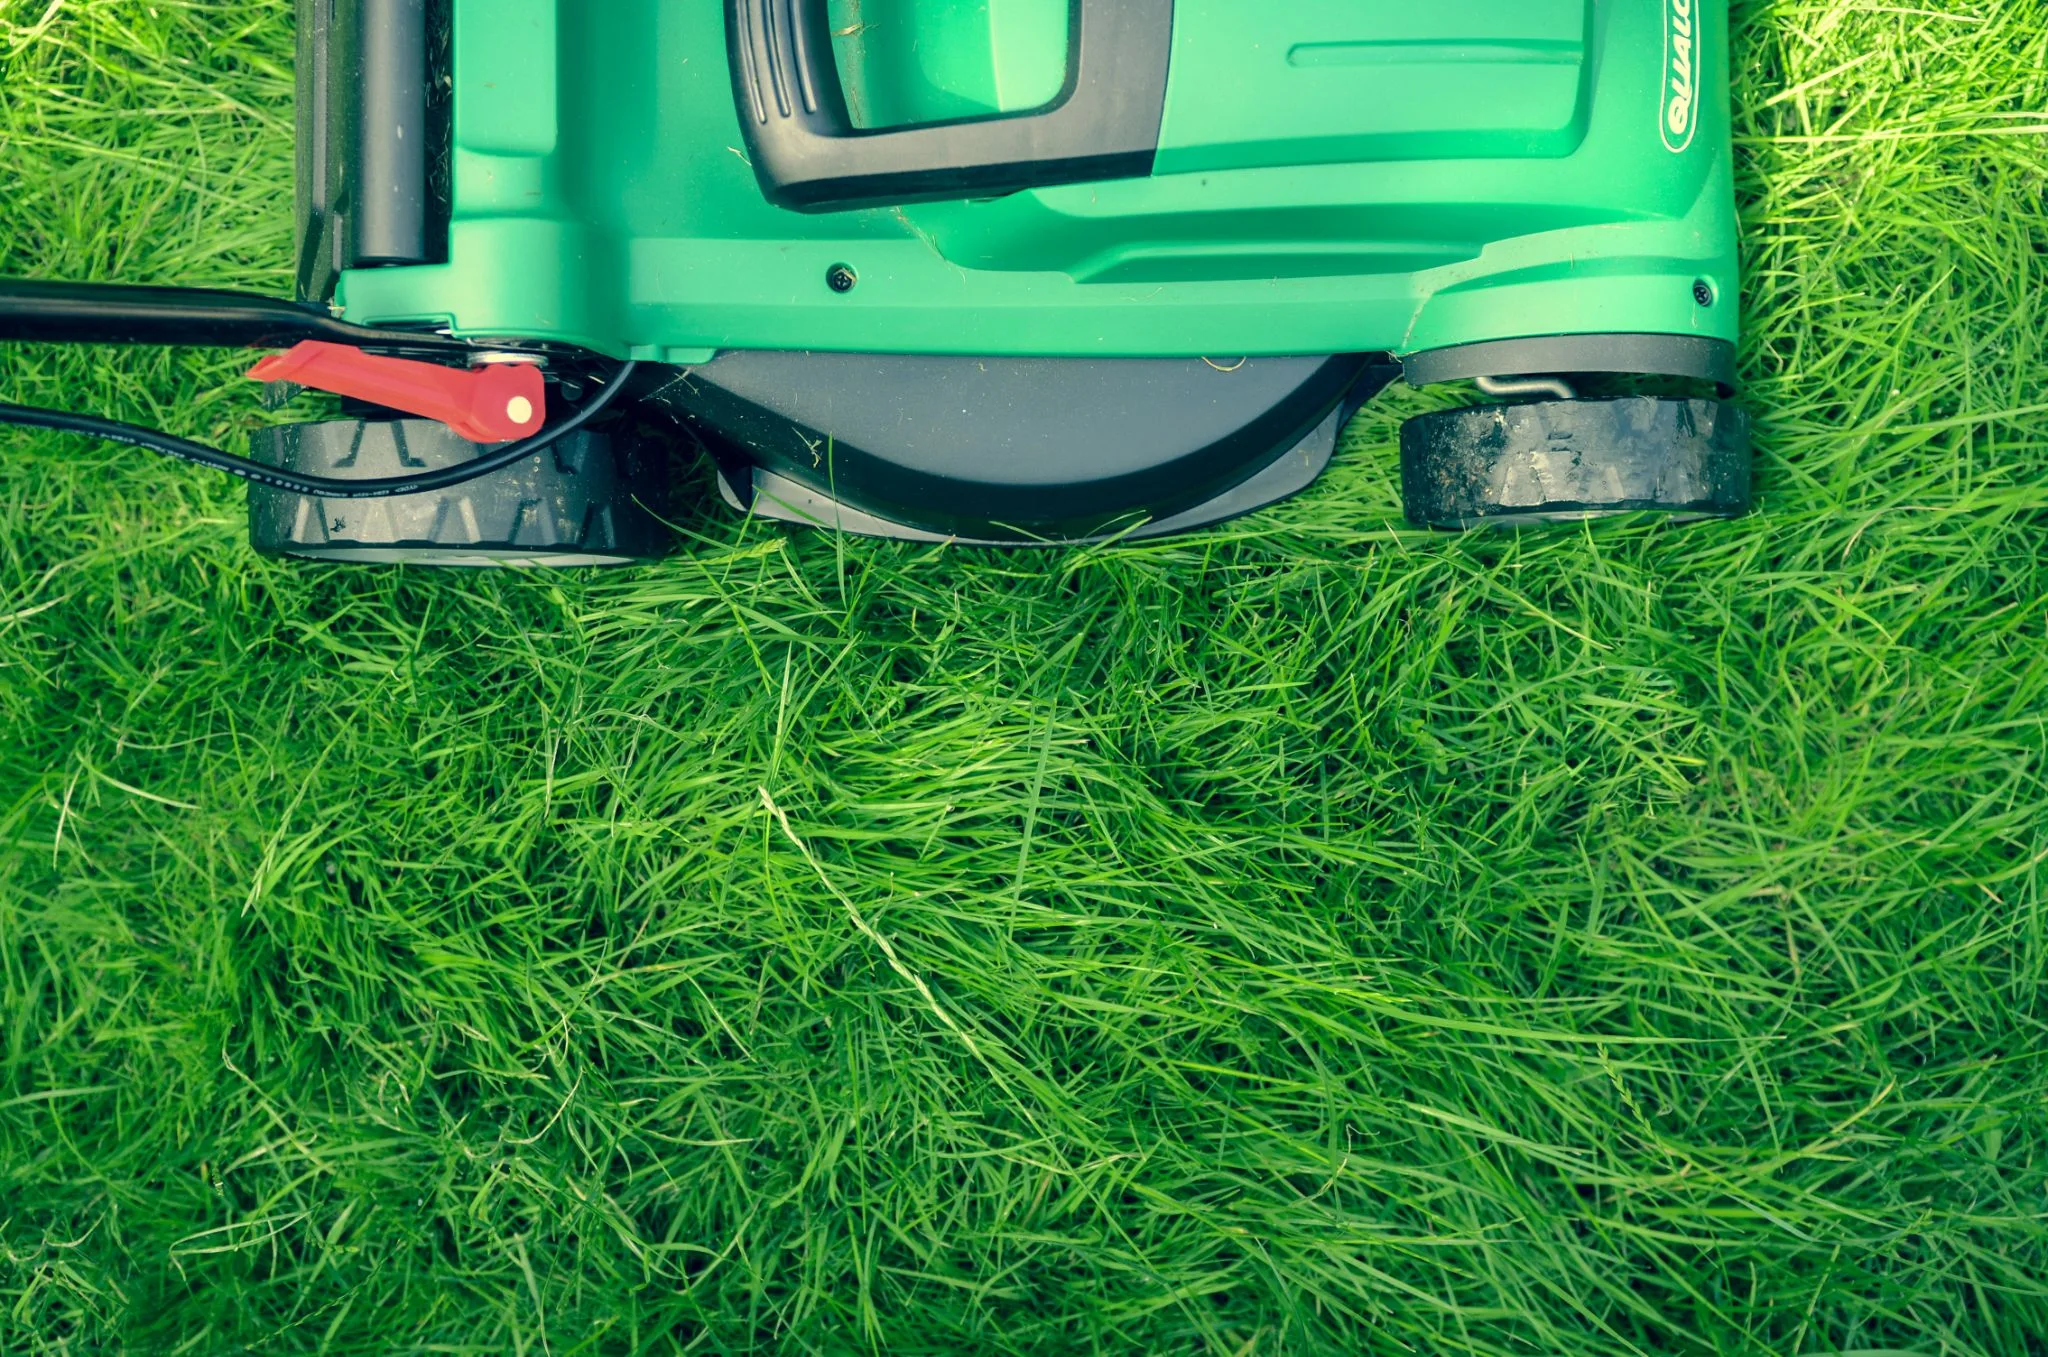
column 389, row 92
column 108, row 313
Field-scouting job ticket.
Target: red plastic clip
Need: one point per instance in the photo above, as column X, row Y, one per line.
column 493, row 404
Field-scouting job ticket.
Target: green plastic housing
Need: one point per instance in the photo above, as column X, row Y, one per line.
column 1332, row 176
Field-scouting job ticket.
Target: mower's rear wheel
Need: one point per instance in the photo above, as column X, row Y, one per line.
column 591, row 499
column 1564, row 460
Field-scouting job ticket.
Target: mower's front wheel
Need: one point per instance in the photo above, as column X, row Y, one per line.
column 1564, row 460
column 591, row 499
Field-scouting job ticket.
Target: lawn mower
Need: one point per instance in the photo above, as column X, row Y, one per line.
column 988, row 271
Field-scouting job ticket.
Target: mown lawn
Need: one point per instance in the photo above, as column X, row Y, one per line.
column 1317, row 936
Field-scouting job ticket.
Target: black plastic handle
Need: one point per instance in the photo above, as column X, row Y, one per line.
column 118, row 313
column 809, row 156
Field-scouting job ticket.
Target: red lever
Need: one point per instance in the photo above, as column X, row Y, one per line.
column 493, row 404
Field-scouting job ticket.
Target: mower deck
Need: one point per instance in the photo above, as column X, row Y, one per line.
column 1331, row 176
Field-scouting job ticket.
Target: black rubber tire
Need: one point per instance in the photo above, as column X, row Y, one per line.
column 1567, row 460
column 591, row 499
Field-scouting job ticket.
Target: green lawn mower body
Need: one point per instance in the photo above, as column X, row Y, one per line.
column 1029, row 270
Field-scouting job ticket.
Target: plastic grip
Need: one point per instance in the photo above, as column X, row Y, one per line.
column 810, row 157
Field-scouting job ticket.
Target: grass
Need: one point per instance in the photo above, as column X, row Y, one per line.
column 1310, row 937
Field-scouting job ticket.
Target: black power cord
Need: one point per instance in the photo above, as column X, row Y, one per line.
column 325, row 487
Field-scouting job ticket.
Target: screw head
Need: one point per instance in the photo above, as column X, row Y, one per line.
column 841, row 278
column 519, row 410
column 1703, row 292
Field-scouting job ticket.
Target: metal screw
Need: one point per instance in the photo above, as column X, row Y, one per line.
column 841, row 278
column 1702, row 292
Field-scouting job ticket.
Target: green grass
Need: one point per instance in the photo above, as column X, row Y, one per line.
column 1311, row 937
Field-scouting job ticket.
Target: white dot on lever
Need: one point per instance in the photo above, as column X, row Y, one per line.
column 519, row 410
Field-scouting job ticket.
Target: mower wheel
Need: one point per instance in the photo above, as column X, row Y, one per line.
column 591, row 499
column 1564, row 460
